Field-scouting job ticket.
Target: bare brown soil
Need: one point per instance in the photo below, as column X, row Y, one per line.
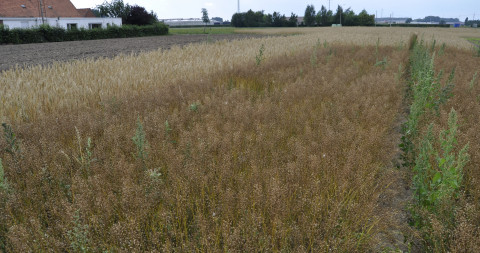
column 46, row 53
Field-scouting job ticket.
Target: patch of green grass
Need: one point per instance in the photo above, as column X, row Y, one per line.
column 199, row 30
column 475, row 41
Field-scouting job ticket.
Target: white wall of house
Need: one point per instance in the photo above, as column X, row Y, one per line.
column 65, row 23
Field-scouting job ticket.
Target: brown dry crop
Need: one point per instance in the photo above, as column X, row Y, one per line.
column 289, row 155
column 391, row 36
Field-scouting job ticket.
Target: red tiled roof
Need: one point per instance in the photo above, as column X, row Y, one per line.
column 87, row 13
column 53, row 8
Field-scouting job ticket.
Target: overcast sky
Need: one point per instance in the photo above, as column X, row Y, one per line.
column 226, row 8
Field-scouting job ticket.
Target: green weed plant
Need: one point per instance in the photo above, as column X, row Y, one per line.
column 427, row 94
column 140, row 141
column 438, row 174
column 78, row 236
column 474, row 80
column 260, row 56
column 3, row 179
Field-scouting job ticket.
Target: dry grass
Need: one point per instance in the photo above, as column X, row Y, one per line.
column 86, row 83
column 26, row 94
column 284, row 156
column 290, row 155
column 391, row 36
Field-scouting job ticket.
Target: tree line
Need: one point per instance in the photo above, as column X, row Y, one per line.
column 323, row 17
column 471, row 22
column 260, row 19
column 346, row 17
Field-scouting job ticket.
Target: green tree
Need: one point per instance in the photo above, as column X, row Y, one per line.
column 364, row 19
column 338, row 15
column 238, row 20
column 205, row 18
column 260, row 20
column 250, row 19
column 309, row 17
column 139, row 16
column 267, row 20
column 293, row 20
column 322, row 18
column 408, row 21
column 349, row 18
column 277, row 19
column 114, row 9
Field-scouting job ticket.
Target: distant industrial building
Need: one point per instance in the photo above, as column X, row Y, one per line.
column 217, row 20
column 452, row 22
column 391, row 20
column 193, row 21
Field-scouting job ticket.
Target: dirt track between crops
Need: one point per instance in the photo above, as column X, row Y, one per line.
column 46, row 53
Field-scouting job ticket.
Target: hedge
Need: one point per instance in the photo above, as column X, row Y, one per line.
column 47, row 33
column 415, row 25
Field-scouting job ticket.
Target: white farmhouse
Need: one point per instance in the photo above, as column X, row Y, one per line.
column 58, row 13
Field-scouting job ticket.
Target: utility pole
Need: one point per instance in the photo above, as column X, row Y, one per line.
column 42, row 10
column 238, row 6
column 328, row 5
column 375, row 19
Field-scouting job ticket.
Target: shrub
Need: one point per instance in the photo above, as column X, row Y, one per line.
column 47, row 33
column 50, row 34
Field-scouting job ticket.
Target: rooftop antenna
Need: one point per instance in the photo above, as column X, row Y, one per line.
column 42, row 10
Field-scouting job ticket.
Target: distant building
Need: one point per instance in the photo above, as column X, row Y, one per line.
column 391, row 20
column 58, row 13
column 185, row 22
column 193, row 21
column 454, row 24
column 425, row 23
column 217, row 19
column 300, row 21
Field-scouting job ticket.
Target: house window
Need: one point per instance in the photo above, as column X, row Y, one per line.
column 94, row 26
column 71, row 26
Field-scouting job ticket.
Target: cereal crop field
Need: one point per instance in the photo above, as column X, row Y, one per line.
column 294, row 140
